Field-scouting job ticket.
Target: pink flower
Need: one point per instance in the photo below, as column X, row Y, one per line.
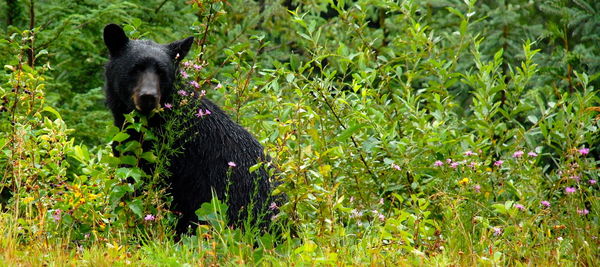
column 498, row 163
column 355, row 213
column 219, row 86
column 570, row 190
column 584, row 151
column 532, row 154
column 202, row 93
column 575, row 177
column 497, row 231
column 149, row 217
column 201, row 113
column 381, row 217
column 168, row 106
column 583, row 211
column 231, row 164
column 545, row 203
column 477, row 188
column 520, row 207
column 195, row 84
column 592, row 181
column 381, row 201
column 187, row 63
column 518, row 154
column 453, row 165
column 273, row 206
column 473, row 164
column 469, row 153
column 197, row 67
column 184, row 74
column 395, row 166
column 182, row 93
column 56, row 215
column 448, row 161
column 438, row 163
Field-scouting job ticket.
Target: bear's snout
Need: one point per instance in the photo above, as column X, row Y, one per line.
column 146, row 94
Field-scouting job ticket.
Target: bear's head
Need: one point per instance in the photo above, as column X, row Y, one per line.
column 140, row 73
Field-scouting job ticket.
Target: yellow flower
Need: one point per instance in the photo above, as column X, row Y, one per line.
column 27, row 200
column 464, row 181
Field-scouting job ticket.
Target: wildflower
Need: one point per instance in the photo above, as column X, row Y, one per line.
column 453, row 165
column 592, row 181
column 195, row 84
column 219, row 86
column 28, row 199
column 583, row 211
column 559, row 238
column 395, row 166
column 381, row 201
column 197, row 67
column 149, row 217
column 520, row 207
column 231, row 164
column 584, row 151
column 469, row 153
column 273, row 206
column 575, row 177
column 182, row 93
column 187, row 63
column 473, row 164
column 201, row 113
column 477, row 188
column 518, row 154
column 168, row 106
column 184, row 74
column 355, row 213
column 545, row 203
column 438, row 163
column 498, row 163
column 532, row 154
column 351, row 199
column 381, row 217
column 448, row 161
column 202, row 93
column 570, row 190
column 56, row 215
column 464, row 181
column 497, row 231
column 177, row 56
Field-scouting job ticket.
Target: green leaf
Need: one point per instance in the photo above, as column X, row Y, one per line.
column 53, row 111
column 120, row 137
column 348, row 132
column 136, row 206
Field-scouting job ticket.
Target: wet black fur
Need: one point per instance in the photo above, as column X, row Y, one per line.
column 211, row 142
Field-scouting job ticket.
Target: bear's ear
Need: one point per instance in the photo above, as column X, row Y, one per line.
column 179, row 49
column 115, row 39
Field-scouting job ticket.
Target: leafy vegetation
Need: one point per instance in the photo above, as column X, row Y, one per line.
column 411, row 132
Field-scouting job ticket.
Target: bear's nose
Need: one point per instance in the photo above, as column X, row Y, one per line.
column 146, row 96
column 147, row 103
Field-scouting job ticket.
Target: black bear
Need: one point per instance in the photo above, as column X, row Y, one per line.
column 217, row 152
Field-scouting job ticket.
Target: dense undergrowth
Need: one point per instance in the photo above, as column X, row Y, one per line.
column 408, row 132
